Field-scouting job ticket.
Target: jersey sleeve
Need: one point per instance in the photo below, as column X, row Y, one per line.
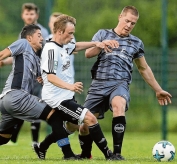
column 140, row 52
column 71, row 46
column 49, row 60
column 18, row 47
column 99, row 36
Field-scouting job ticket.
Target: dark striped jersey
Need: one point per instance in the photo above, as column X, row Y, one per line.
column 118, row 64
column 25, row 67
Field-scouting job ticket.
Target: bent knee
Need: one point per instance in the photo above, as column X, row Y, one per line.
column 90, row 119
column 84, row 130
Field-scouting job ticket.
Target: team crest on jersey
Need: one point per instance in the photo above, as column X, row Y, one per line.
column 55, row 65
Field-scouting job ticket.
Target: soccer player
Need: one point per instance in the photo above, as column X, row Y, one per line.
column 59, row 87
column 30, row 15
column 16, row 101
column 112, row 75
column 52, row 19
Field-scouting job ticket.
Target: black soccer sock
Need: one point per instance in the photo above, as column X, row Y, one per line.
column 118, row 129
column 16, row 131
column 63, row 144
column 59, row 134
column 86, row 145
column 35, row 131
column 50, row 139
column 98, row 138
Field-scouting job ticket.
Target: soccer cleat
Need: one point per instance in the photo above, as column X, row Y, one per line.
column 119, row 156
column 84, row 157
column 75, row 157
column 112, row 157
column 40, row 153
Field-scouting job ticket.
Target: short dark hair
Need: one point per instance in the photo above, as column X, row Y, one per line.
column 30, row 6
column 29, row 30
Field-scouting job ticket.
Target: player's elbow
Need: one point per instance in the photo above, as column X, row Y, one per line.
column 87, row 54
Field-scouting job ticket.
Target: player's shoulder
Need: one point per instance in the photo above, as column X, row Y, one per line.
column 134, row 37
column 21, row 43
column 101, row 31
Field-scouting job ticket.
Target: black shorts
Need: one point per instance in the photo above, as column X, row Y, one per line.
column 101, row 93
column 72, row 112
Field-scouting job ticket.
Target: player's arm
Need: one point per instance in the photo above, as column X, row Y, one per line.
column 108, row 45
column 76, row 87
column 4, row 53
column 7, row 61
column 84, row 45
column 147, row 74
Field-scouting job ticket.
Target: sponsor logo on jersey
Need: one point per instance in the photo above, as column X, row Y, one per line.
column 55, row 65
column 66, row 66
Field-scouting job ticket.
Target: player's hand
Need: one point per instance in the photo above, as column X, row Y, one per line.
column 39, row 80
column 164, row 98
column 1, row 63
column 110, row 44
column 77, row 87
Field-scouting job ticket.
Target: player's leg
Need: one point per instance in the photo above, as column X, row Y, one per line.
column 58, row 134
column 84, row 138
column 83, row 115
column 7, row 123
column 119, row 100
column 96, row 104
column 22, row 102
column 35, row 127
column 16, row 131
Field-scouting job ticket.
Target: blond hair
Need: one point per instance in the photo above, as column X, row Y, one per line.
column 61, row 21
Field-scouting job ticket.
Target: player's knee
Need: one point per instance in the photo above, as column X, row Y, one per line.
column 90, row 119
column 70, row 128
column 3, row 140
column 83, row 130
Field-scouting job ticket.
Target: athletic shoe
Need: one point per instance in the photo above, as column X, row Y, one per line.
column 112, row 157
column 34, row 143
column 120, row 156
column 75, row 157
column 40, row 153
column 84, row 157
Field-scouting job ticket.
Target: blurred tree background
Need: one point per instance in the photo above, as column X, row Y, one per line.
column 144, row 113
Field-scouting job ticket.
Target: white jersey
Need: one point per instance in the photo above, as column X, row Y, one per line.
column 55, row 59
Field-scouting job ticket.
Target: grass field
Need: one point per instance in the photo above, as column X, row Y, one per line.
column 137, row 149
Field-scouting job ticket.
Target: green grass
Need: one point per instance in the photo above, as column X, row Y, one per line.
column 137, row 149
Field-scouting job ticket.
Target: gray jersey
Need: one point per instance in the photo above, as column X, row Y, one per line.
column 25, row 68
column 118, row 64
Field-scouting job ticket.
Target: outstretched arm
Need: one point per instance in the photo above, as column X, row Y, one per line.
column 94, row 51
column 5, row 53
column 6, row 61
column 84, row 45
column 163, row 97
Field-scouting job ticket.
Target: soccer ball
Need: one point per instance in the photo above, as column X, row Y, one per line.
column 163, row 151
